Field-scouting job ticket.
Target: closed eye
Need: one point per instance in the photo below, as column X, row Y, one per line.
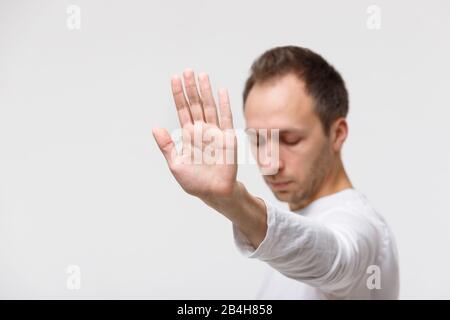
column 291, row 142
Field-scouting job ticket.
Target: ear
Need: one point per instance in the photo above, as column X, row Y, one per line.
column 338, row 132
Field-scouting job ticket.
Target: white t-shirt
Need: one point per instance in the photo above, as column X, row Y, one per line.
column 337, row 247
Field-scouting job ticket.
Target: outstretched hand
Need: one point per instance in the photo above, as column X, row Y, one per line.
column 207, row 163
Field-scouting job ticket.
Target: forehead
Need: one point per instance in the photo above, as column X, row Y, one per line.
column 281, row 103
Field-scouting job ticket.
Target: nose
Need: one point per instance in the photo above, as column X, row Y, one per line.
column 270, row 162
column 280, row 164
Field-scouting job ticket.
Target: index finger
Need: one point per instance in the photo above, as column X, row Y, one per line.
column 184, row 115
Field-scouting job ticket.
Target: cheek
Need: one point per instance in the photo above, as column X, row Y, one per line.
column 295, row 162
column 299, row 162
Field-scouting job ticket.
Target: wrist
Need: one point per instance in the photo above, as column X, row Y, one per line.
column 247, row 212
column 232, row 197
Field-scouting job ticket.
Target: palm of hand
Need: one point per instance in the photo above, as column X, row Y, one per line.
column 207, row 163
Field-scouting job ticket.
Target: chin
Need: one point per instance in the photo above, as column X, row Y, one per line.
column 290, row 196
column 284, row 196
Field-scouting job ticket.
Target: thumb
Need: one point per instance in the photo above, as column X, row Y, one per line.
column 165, row 144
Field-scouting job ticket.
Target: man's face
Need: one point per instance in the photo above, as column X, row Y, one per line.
column 305, row 153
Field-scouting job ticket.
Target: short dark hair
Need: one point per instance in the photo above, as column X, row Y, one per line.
column 322, row 81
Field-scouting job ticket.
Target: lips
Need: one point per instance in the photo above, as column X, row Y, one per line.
column 280, row 185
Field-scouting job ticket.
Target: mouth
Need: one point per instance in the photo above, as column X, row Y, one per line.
column 280, row 185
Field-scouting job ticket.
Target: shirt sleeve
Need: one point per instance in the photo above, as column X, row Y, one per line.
column 331, row 253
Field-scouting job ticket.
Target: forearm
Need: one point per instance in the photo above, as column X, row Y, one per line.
column 245, row 211
column 329, row 252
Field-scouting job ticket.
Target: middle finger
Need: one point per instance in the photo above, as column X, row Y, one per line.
column 194, row 98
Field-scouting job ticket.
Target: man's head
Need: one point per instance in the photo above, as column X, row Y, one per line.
column 296, row 91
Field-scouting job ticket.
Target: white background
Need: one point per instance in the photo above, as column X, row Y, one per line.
column 83, row 183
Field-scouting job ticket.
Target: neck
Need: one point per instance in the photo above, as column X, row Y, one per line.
column 336, row 180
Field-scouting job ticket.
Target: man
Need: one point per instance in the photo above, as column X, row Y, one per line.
column 331, row 244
